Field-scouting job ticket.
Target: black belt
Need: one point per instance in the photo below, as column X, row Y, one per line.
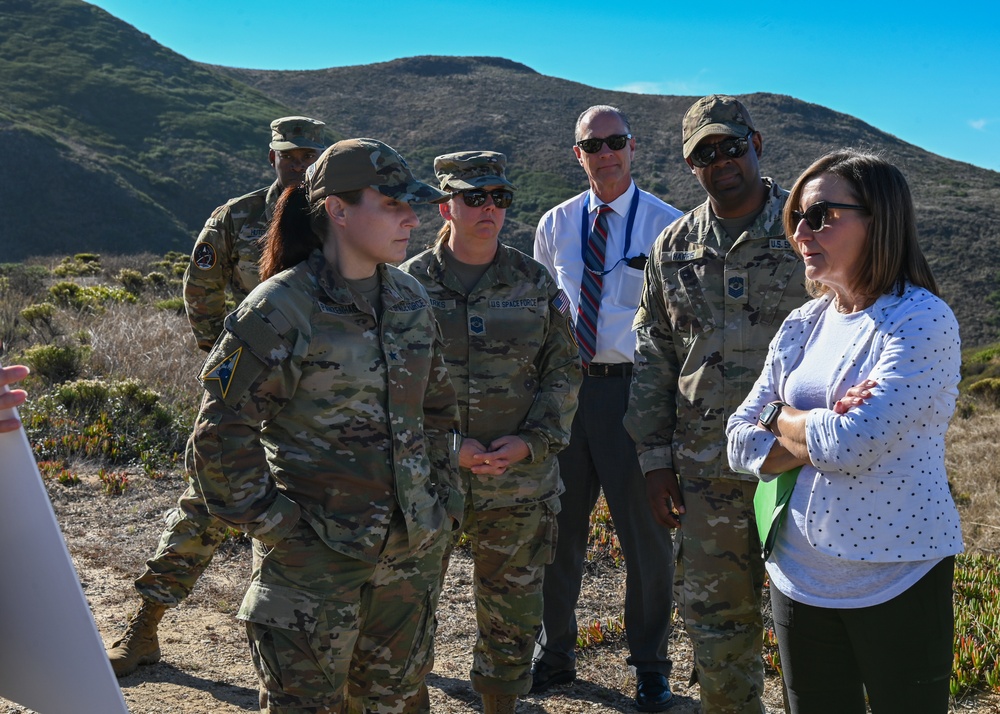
column 600, row 369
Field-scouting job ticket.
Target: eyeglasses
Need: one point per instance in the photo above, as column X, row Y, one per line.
column 615, row 142
column 815, row 215
column 502, row 198
column 705, row 154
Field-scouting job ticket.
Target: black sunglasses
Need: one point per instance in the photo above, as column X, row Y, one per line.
column 815, row 215
column 615, row 142
column 502, row 198
column 705, row 154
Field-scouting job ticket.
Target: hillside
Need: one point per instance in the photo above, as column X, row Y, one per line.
column 114, row 143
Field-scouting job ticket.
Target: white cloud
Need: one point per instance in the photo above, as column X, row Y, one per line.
column 693, row 87
column 979, row 124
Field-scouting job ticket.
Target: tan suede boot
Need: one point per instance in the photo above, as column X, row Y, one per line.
column 138, row 645
column 499, row 703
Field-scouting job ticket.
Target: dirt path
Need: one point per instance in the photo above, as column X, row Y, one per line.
column 206, row 668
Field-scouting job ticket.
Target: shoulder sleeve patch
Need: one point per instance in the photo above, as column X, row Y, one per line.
column 223, row 371
column 204, row 256
column 561, row 302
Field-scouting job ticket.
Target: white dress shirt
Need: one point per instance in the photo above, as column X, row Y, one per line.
column 559, row 247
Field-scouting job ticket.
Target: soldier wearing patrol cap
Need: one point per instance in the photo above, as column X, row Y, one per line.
column 225, row 256
column 228, row 249
column 328, row 434
column 718, row 284
column 515, row 365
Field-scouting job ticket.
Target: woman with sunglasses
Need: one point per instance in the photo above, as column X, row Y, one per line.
column 516, row 368
column 327, row 434
column 858, row 389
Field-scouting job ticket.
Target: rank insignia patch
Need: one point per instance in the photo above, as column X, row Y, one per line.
column 737, row 287
column 204, row 256
column 477, row 325
column 224, row 371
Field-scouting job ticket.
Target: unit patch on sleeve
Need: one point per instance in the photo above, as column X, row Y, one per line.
column 224, row 371
column 204, row 256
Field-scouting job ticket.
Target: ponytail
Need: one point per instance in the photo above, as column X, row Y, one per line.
column 290, row 237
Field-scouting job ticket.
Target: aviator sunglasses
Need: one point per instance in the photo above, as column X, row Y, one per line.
column 705, row 154
column 815, row 215
column 502, row 198
column 615, row 142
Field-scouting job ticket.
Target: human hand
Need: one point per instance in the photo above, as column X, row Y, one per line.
column 11, row 398
column 664, row 493
column 470, row 453
column 503, row 452
column 855, row 396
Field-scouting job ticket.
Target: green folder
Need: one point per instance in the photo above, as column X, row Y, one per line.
column 769, row 504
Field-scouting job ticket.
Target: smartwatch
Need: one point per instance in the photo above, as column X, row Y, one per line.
column 769, row 414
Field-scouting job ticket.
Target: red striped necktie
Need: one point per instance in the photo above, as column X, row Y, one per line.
column 590, row 286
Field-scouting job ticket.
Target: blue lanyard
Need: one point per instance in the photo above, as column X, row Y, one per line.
column 586, row 226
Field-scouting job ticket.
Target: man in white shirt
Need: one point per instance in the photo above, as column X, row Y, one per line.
column 597, row 256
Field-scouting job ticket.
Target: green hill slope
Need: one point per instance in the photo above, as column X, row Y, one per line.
column 113, row 143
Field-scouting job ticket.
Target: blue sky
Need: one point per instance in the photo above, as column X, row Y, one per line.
column 930, row 75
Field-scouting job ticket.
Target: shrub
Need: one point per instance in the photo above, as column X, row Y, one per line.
column 92, row 298
column 987, row 390
column 56, row 363
column 131, row 280
column 39, row 313
column 113, row 422
column 79, row 265
column 174, row 304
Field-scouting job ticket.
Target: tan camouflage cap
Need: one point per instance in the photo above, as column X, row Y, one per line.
column 354, row 164
column 290, row 133
column 714, row 114
column 471, row 169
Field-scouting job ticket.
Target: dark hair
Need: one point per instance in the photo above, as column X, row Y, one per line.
column 296, row 229
column 893, row 257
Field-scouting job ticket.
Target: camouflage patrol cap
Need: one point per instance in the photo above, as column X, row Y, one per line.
column 354, row 164
column 471, row 169
column 714, row 114
column 290, row 133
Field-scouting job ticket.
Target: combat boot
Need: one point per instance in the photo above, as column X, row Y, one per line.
column 499, row 703
column 139, row 644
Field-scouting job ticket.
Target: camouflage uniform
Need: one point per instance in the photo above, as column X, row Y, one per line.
column 325, row 434
column 515, row 365
column 709, row 308
column 226, row 254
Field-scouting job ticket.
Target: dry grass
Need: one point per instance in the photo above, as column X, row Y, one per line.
column 153, row 346
column 972, row 457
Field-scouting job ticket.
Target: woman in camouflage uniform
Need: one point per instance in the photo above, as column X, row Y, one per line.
column 515, row 364
column 328, row 435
